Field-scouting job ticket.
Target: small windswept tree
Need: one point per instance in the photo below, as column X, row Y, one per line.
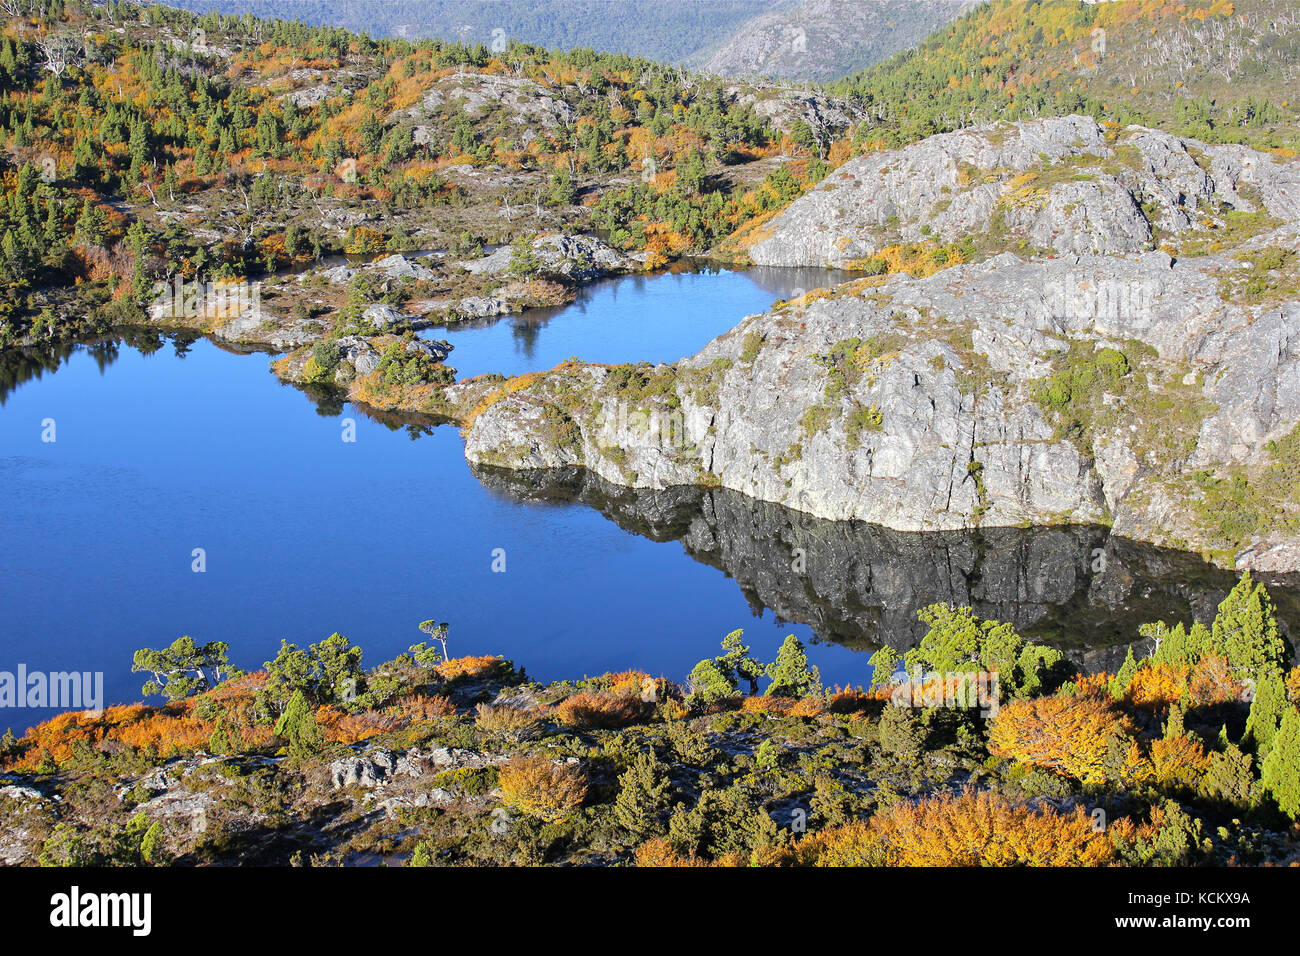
column 737, row 661
column 327, row 672
column 425, row 655
column 184, row 668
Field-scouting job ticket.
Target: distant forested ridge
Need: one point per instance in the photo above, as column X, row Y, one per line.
column 793, row 40
column 669, row 30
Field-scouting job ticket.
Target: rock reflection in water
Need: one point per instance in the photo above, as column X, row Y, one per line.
column 1077, row 587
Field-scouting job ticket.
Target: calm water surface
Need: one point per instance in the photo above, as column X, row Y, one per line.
column 181, row 445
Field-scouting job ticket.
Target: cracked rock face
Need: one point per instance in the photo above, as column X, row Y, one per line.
column 1062, row 185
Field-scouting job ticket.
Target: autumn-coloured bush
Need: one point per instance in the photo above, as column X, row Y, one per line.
column 659, row 852
column 1213, row 682
column 782, row 706
column 986, row 829
column 970, row 829
column 483, row 666
column 1293, row 685
column 539, row 788
column 510, row 721
column 602, row 709
column 1157, row 684
column 339, row 726
column 1069, row 735
column 854, row 844
column 172, row 728
column 854, row 700
column 1179, row 761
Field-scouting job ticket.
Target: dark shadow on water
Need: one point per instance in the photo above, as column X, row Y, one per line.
column 1079, row 588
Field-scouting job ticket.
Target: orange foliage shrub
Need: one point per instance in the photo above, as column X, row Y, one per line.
column 486, row 665
column 601, row 709
column 853, row 701
column 423, row 707
column 344, row 728
column 539, row 788
column 1213, row 682
column 1179, row 760
column 659, row 852
column 1293, row 685
column 168, row 729
column 1066, row 735
column 985, row 829
column 782, row 706
column 1157, row 684
column 854, row 844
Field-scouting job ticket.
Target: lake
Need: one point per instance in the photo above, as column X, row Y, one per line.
column 167, row 445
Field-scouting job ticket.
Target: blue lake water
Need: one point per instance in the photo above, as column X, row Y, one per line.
column 158, row 454
column 655, row 318
column 187, row 446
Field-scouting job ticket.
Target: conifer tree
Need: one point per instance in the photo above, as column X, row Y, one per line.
column 299, row 729
column 790, row 673
column 1245, row 628
column 1280, row 774
column 1266, row 710
column 710, row 682
column 1119, row 683
column 642, row 795
column 884, row 664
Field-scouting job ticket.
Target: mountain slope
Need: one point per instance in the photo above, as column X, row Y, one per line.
column 822, row 40
column 1213, row 69
column 665, row 30
column 799, row 40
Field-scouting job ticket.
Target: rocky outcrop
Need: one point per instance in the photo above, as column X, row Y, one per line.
column 574, row 257
column 1064, row 185
column 382, row 770
column 234, row 314
column 527, row 102
column 1082, row 389
column 783, row 108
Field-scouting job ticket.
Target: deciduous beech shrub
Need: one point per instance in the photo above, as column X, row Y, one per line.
column 540, row 788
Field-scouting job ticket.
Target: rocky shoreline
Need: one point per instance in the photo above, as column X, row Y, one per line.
column 1132, row 388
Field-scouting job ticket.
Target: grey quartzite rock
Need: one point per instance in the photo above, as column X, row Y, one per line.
column 1061, row 185
column 937, row 424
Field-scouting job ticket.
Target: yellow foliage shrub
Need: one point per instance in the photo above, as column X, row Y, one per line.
column 539, row 788
column 1067, row 735
column 985, row 829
